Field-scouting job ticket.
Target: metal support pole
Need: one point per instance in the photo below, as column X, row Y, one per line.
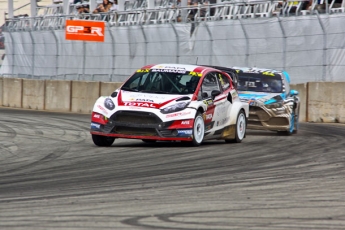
column 247, row 42
column 184, row 11
column 10, row 8
column 65, row 7
column 121, row 5
column 33, row 5
column 284, row 41
column 150, row 4
column 324, row 55
column 93, row 5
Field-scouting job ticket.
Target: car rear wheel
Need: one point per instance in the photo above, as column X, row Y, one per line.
column 241, row 127
column 102, row 141
column 198, row 129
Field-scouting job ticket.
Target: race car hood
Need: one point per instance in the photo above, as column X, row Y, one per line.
column 260, row 98
column 158, row 99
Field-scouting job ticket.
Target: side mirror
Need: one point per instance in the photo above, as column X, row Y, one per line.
column 293, row 92
column 215, row 93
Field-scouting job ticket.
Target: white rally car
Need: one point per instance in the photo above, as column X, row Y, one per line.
column 171, row 102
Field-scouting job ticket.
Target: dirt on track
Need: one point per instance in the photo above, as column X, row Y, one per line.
column 53, row 177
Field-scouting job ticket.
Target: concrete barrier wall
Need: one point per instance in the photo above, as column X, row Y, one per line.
column 84, row 95
column 320, row 101
column 33, row 94
column 58, row 95
column 302, row 94
column 12, row 92
column 326, row 102
column 108, row 87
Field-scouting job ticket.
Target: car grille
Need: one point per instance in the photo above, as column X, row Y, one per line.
column 278, row 121
column 134, row 123
column 135, row 118
column 258, row 114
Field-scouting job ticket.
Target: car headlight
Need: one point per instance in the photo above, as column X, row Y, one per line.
column 274, row 105
column 109, row 104
column 175, row 108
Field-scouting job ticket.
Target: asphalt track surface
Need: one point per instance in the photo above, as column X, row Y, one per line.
column 53, row 177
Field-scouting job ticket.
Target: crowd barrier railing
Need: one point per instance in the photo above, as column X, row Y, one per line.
column 52, row 17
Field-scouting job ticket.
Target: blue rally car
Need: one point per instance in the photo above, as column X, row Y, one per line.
column 273, row 105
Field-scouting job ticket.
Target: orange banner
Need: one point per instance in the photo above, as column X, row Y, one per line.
column 84, row 30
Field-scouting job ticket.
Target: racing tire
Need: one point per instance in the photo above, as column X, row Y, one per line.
column 198, row 130
column 102, row 141
column 148, row 141
column 240, row 130
column 296, row 124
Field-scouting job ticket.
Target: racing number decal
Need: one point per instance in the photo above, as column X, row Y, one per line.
column 268, row 73
column 142, row 70
column 195, row 74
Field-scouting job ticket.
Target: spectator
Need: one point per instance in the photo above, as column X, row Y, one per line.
column 114, row 7
column 104, row 7
column 82, row 8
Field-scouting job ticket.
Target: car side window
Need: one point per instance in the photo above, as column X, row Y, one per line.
column 224, row 81
column 209, row 84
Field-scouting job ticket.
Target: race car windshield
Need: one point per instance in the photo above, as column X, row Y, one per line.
column 162, row 82
column 259, row 83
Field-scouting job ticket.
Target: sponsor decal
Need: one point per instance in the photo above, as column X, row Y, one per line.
column 178, row 114
column 185, row 131
column 103, row 109
column 140, row 104
column 208, row 116
column 185, row 122
column 149, row 96
column 144, row 99
column 84, row 30
column 95, row 125
column 169, row 70
column 208, row 102
column 96, row 115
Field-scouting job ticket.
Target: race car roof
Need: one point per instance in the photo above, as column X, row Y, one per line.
column 255, row 70
column 186, row 67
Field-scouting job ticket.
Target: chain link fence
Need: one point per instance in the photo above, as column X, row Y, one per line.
column 310, row 47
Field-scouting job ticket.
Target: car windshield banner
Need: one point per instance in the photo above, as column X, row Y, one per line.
column 84, row 30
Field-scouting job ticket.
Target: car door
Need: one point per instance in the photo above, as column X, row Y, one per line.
column 216, row 105
column 228, row 95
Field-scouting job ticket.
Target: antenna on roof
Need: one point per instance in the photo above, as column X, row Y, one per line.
column 196, row 61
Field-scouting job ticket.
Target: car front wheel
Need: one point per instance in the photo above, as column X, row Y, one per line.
column 198, row 129
column 102, row 141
